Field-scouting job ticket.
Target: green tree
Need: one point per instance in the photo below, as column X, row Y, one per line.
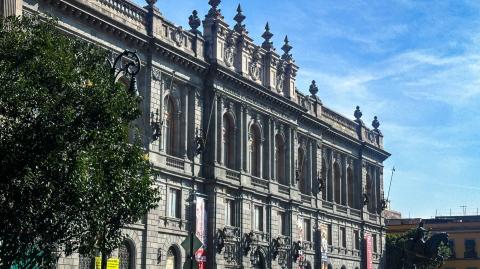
column 397, row 243
column 71, row 175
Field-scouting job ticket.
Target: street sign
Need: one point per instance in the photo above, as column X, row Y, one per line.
column 197, row 244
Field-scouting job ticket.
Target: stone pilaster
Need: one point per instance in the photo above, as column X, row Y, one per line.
column 11, row 8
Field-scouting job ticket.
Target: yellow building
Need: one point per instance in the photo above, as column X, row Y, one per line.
column 463, row 233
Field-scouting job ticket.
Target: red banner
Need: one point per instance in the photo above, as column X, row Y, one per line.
column 201, row 231
column 368, row 251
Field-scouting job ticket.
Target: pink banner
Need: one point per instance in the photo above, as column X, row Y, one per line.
column 201, row 231
column 368, row 251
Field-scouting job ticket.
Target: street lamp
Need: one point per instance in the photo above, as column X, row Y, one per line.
column 126, row 64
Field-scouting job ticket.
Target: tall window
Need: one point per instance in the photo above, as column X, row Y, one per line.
column 125, row 255
column 375, row 243
column 256, row 141
column 172, row 259
column 171, row 138
column 451, row 245
column 301, row 171
column 228, row 141
column 368, row 189
column 329, row 234
column 280, row 159
column 470, row 252
column 356, row 240
column 324, row 179
column 343, row 237
column 350, row 187
column 282, row 223
column 258, row 218
column 174, row 203
column 230, row 213
column 337, row 184
column 307, row 230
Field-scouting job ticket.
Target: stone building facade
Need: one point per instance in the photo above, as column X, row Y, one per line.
column 283, row 176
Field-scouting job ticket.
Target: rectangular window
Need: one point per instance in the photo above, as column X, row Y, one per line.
column 258, row 217
column 174, row 204
column 451, row 245
column 230, row 212
column 282, row 223
column 356, row 238
column 343, row 237
column 374, row 243
column 307, row 230
column 329, row 235
column 470, row 252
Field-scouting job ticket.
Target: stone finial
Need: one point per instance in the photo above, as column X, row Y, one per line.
column 239, row 18
column 375, row 123
column 214, row 11
column 151, row 2
column 286, row 50
column 357, row 113
column 313, row 88
column 267, row 44
column 194, row 21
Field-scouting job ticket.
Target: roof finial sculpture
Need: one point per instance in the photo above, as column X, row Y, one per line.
column 286, row 49
column 267, row 44
column 358, row 114
column 151, row 2
column 313, row 88
column 214, row 11
column 239, row 18
column 194, row 22
column 375, row 123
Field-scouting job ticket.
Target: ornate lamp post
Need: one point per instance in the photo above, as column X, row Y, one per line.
column 126, row 64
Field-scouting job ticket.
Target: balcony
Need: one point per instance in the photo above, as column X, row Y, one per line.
column 175, row 162
column 259, row 182
column 283, row 189
column 306, row 198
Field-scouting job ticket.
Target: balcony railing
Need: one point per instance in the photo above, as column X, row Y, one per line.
column 175, row 162
column 259, row 182
column 231, row 174
column 283, row 189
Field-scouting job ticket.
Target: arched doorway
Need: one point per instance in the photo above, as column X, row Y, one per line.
column 258, row 259
column 126, row 255
column 172, row 258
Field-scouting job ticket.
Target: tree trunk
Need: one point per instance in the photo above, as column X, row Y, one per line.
column 104, row 260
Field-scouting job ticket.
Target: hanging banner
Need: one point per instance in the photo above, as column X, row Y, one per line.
column 201, row 231
column 324, row 245
column 368, row 251
column 300, row 228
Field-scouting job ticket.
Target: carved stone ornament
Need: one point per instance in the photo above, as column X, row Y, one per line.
column 279, row 82
column 229, row 54
column 177, row 36
column 254, row 70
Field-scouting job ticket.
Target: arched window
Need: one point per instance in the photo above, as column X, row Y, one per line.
column 280, row 159
column 86, row 262
column 336, row 182
column 171, row 125
column 172, row 258
column 301, row 170
column 228, row 141
column 368, row 190
column 126, row 255
column 324, row 179
column 350, row 187
column 255, row 151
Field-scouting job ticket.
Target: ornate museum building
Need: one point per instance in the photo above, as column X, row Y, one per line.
column 280, row 179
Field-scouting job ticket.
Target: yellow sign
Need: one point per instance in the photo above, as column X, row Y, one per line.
column 112, row 263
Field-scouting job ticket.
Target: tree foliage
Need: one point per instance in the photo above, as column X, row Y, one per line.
column 71, row 176
column 397, row 243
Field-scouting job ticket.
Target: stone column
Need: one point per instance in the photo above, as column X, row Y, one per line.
column 221, row 129
column 343, row 180
column 310, row 172
column 11, row 8
column 245, row 140
column 274, row 152
column 270, row 137
column 218, row 130
column 241, row 143
column 185, row 123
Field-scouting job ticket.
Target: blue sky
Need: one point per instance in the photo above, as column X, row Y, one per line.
column 414, row 64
